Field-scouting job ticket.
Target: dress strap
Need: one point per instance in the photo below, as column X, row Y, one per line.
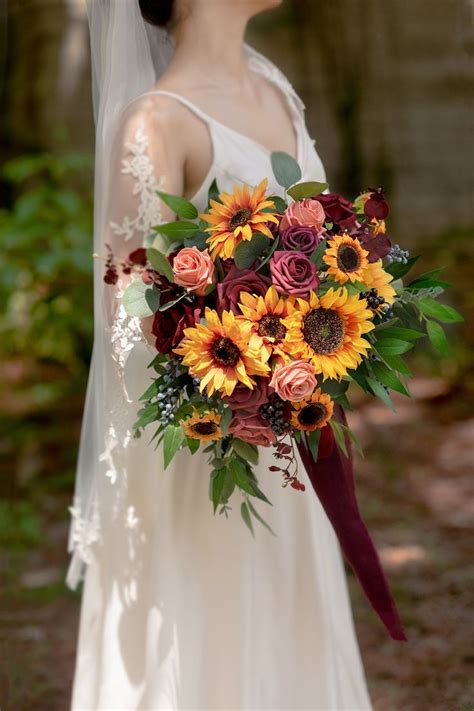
column 182, row 100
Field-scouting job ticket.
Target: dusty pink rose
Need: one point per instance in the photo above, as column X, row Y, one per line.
column 293, row 273
column 194, row 270
column 245, row 399
column 308, row 213
column 294, row 382
column 252, row 429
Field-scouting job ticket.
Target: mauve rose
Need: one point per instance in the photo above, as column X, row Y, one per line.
column 304, row 239
column 293, row 273
column 308, row 212
column 252, row 429
column 237, row 280
column 294, row 382
column 168, row 326
column 338, row 210
column 245, row 399
column 193, row 269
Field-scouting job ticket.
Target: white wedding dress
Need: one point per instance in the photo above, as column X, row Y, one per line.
column 183, row 610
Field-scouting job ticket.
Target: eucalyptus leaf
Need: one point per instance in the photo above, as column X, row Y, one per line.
column 160, row 263
column 248, row 251
column 140, row 299
column 179, row 205
column 285, row 168
column 300, row 191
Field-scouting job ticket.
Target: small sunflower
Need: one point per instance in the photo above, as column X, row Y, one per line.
column 223, row 353
column 346, row 258
column 266, row 314
column 204, row 427
column 236, row 217
column 375, row 277
column 328, row 330
column 313, row 413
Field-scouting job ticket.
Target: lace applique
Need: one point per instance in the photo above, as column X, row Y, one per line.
column 140, row 167
column 85, row 532
column 125, row 333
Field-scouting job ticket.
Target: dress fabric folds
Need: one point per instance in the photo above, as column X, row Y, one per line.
column 183, row 611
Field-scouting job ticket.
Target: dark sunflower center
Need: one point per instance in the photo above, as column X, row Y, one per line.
column 204, row 428
column 348, row 258
column 240, row 218
column 312, row 414
column 226, row 352
column 272, row 327
column 323, row 330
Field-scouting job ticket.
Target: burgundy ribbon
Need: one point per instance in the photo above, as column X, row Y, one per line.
column 332, row 477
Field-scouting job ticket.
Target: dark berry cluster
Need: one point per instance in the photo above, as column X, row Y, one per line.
column 169, row 391
column 273, row 412
column 397, row 254
column 374, row 301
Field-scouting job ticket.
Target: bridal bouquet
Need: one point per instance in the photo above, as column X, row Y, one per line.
column 265, row 310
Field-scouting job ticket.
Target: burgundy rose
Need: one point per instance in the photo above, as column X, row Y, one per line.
column 338, row 210
column 252, row 428
column 237, row 280
column 245, row 399
column 168, row 326
column 376, row 206
column 293, row 273
column 303, row 239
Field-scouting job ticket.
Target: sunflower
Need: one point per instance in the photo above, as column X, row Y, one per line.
column 375, row 277
column 346, row 258
column 204, row 427
column 327, row 331
column 236, row 217
column 266, row 314
column 312, row 413
column 223, row 353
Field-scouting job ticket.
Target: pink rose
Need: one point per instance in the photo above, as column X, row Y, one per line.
column 237, row 280
column 245, row 399
column 308, row 213
column 293, row 273
column 194, row 270
column 252, row 429
column 295, row 381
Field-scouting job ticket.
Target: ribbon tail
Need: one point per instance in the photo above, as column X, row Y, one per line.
column 332, row 478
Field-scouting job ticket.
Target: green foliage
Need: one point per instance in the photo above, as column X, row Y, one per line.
column 306, row 190
column 248, row 251
column 286, row 170
column 140, row 299
column 160, row 263
column 180, row 206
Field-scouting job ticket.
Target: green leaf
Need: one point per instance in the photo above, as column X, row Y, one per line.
column 199, row 240
column 280, row 204
column 387, row 377
column 313, row 443
column 335, row 388
column 404, row 334
column 217, row 487
column 179, row 205
column 177, row 230
column 286, row 170
column 392, row 346
column 225, row 419
column 241, row 478
column 437, row 337
column 300, row 191
column 317, row 255
column 141, row 300
column 379, row 391
column 151, row 391
column 193, row 444
column 397, row 363
column 355, row 440
column 339, row 436
column 160, row 263
column 245, row 450
column 146, row 416
column 398, row 270
column 267, row 257
column 255, row 513
column 244, row 510
column 248, row 251
column 213, row 192
column 360, row 379
column 431, row 308
column 171, row 442
column 169, row 304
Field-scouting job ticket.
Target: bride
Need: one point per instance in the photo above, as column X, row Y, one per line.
column 181, row 610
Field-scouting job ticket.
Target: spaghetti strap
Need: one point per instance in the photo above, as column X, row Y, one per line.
column 182, row 100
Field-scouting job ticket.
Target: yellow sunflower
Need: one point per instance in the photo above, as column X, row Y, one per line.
column 223, row 353
column 204, row 427
column 375, row 277
column 266, row 314
column 328, row 330
column 236, row 217
column 313, row 413
column 346, row 258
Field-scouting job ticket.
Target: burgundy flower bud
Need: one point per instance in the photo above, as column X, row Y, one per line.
column 376, row 206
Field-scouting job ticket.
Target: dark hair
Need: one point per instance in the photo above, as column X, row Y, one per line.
column 157, row 12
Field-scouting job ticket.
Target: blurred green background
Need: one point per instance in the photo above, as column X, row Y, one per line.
column 388, row 86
